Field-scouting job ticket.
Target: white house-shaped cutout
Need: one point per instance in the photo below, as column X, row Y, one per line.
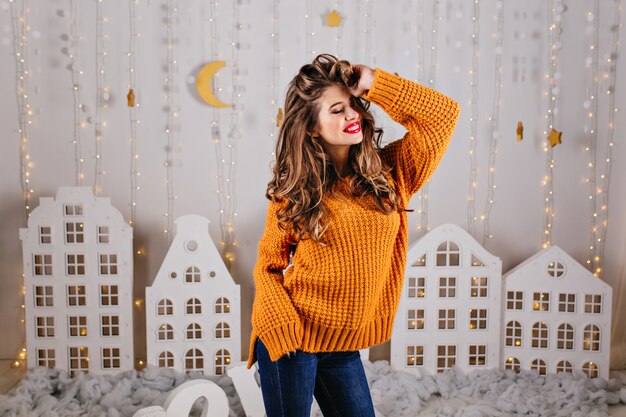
column 557, row 316
column 78, row 281
column 193, row 320
column 450, row 309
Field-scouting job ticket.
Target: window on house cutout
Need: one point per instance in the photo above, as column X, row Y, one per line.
column 567, row 303
column 564, row 366
column 448, row 254
column 593, row 303
column 110, row 358
column 477, row 355
column 42, row 265
column 74, row 232
column 541, row 301
column 421, row 261
column 539, row 365
column 478, row 318
column 446, row 357
column 44, row 296
column 222, row 331
column 79, row 359
column 555, row 269
column 193, row 306
column 194, row 362
column 222, row 360
column 45, row 235
column 591, row 369
column 513, row 334
column 46, row 357
column 44, row 326
column 447, row 319
column 192, row 274
column 194, row 331
column 565, row 337
column 514, row 300
column 415, row 319
column 165, row 307
column 110, row 325
column 591, row 338
column 109, row 295
column 476, row 261
column 414, row 355
column 103, row 234
column 77, row 326
column 166, row 332
column 513, row 364
column 76, row 295
column 108, row 264
column 447, row 287
column 540, row 335
column 73, row 209
column 166, row 359
column 75, row 264
column 222, row 306
column 479, row 287
column 416, row 287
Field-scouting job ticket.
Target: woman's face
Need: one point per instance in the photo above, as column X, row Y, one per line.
column 339, row 125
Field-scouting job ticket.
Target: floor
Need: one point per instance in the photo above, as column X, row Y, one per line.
column 9, row 377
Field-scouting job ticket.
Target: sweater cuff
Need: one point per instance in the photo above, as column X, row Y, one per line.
column 283, row 339
column 385, row 88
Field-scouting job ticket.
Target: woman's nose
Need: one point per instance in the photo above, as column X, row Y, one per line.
column 351, row 113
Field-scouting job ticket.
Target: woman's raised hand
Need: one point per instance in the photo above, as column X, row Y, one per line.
column 361, row 79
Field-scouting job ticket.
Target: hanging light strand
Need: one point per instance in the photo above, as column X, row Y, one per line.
column 339, row 29
column 369, row 27
column 473, row 183
column 420, row 42
column 133, row 112
column 170, row 89
column 276, row 68
column 102, row 95
column 310, row 33
column 602, row 199
column 73, row 49
column 20, row 30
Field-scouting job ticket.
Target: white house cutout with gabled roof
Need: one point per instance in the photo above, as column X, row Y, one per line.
column 557, row 316
column 450, row 309
column 193, row 320
column 78, row 281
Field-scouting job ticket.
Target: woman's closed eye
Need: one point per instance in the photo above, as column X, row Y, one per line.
column 338, row 111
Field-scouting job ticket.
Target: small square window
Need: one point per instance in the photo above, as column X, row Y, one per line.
column 44, row 296
column 103, row 234
column 45, row 235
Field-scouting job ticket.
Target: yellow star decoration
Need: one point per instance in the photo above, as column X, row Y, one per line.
column 333, row 19
column 554, row 138
column 279, row 117
column 520, row 131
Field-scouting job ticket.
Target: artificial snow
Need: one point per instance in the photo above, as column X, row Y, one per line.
column 483, row 393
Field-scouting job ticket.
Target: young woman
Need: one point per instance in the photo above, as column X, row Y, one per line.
column 331, row 260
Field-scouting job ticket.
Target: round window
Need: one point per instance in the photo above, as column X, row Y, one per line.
column 173, row 275
column 556, row 269
column 212, row 274
column 191, row 245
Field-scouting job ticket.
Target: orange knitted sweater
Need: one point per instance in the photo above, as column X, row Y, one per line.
column 344, row 296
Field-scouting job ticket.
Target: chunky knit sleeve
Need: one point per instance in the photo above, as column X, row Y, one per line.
column 429, row 117
column 274, row 318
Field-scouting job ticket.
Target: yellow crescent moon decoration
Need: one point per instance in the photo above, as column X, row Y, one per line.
column 203, row 83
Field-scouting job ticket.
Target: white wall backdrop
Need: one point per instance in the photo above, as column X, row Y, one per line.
column 264, row 42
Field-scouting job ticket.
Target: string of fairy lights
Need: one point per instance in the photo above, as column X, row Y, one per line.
column 170, row 93
column 419, row 43
column 369, row 24
column 339, row 31
column 276, row 69
column 73, row 48
column 310, row 33
column 133, row 105
column 554, row 13
column 473, row 177
column 102, row 95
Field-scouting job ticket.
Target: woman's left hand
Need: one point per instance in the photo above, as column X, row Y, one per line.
column 365, row 77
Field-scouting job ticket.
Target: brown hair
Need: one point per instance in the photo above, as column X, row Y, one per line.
column 304, row 172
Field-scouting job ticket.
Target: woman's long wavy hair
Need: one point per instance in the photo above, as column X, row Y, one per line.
column 303, row 172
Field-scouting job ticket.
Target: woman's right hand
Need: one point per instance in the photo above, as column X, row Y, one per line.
column 362, row 77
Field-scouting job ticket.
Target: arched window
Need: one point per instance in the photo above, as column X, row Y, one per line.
column 591, row 369
column 193, row 306
column 166, row 359
column 539, row 365
column 194, row 331
column 222, row 306
column 166, row 332
column 513, row 334
column 591, row 338
column 540, row 335
column 222, row 360
column 165, row 307
column 194, row 361
column 222, row 331
column 564, row 366
column 512, row 364
column 192, row 274
column 565, row 337
column 448, row 254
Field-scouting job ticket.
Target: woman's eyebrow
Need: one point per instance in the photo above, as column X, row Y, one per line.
column 333, row 105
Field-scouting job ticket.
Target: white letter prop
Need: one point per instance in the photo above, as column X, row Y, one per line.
column 180, row 401
column 248, row 390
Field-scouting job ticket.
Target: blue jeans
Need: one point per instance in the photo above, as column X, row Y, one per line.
column 337, row 380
